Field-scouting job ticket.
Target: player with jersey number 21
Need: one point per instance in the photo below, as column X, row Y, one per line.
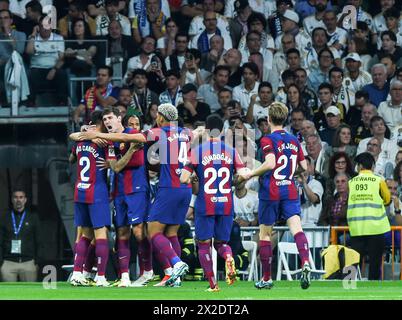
column 278, row 194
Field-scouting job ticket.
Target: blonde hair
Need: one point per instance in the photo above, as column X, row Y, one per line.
column 278, row 113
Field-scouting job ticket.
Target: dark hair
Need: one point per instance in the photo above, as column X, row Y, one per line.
column 375, row 119
column 335, row 69
column 292, row 50
column 220, row 68
column 140, row 72
column 35, row 6
column 264, row 84
column 326, row 49
column 181, row 34
column 108, row 68
column 170, row 20
column 128, row 116
column 147, row 118
column 326, row 85
column 172, row 72
column 96, row 117
column 214, row 121
column 319, row 29
column 224, row 90
column 87, row 31
column 287, row 74
column 252, row 66
column 147, row 37
column 9, row 12
column 396, row 172
column 362, row 94
column 112, row 2
column 392, row 12
column 18, row 189
column 261, row 120
column 389, row 56
column 256, row 16
column 336, row 141
column 195, row 52
column 301, row 69
column 109, row 110
column 125, row 88
column 252, row 32
column 362, row 25
column 366, row 160
column 389, row 33
column 331, row 166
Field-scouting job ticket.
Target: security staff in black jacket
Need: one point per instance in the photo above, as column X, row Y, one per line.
column 19, row 233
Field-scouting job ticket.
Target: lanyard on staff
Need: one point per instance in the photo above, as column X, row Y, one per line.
column 17, row 231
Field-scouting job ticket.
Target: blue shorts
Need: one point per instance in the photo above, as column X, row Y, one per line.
column 170, row 205
column 217, row 227
column 271, row 211
column 130, row 209
column 92, row 215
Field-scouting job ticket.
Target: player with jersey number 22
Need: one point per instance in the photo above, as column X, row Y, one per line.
column 278, row 194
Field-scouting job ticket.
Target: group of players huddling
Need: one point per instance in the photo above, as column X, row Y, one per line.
column 183, row 158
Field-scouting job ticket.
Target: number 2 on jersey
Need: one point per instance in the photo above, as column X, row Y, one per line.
column 85, row 162
column 283, row 161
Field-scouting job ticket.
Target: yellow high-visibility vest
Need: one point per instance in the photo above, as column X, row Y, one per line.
column 366, row 212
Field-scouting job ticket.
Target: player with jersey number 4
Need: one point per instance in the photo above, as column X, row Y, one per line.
column 278, row 194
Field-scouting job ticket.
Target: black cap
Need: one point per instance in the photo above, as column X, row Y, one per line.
column 240, row 4
column 188, row 87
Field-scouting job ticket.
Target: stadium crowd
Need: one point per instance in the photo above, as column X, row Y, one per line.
column 339, row 74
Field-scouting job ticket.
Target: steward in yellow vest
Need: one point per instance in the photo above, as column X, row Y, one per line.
column 366, row 216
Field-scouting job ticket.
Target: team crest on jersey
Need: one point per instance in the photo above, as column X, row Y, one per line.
column 111, row 152
column 178, row 172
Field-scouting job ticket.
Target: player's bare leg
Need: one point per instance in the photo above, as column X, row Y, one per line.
column 81, row 249
column 144, row 256
column 265, row 257
column 294, row 225
column 123, row 252
column 225, row 251
column 162, row 245
column 205, row 257
column 102, row 255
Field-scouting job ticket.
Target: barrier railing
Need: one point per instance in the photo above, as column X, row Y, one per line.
column 345, row 230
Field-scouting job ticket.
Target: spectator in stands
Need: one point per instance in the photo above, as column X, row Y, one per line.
column 173, row 93
column 224, row 97
column 143, row 60
column 378, row 129
column 249, row 87
column 374, row 148
column 333, row 120
column 75, row 11
column 393, row 212
column 275, row 20
column 356, row 78
column 309, row 97
column 245, row 203
column 150, row 116
column 321, row 73
column 342, row 94
column 143, row 97
column 126, row 99
column 307, row 129
column 335, row 206
column 339, row 162
column 258, row 107
column 315, row 20
column 238, row 26
column 293, row 59
column 362, row 16
column 379, row 22
column 389, row 61
column 120, row 46
column 148, row 18
column 363, row 130
column 47, row 57
column 79, row 54
column 209, row 92
column 167, row 43
column 295, row 101
column 316, row 152
column 97, row 7
column 32, row 18
column 342, row 142
column 191, row 71
column 176, row 58
column 201, row 40
column 354, row 115
column 192, row 110
column 288, row 78
column 391, row 110
column 338, row 36
column 232, row 58
column 99, row 96
column 379, row 89
column 280, row 62
column 388, row 46
column 210, row 59
column 112, row 13
column 19, row 241
column 297, row 117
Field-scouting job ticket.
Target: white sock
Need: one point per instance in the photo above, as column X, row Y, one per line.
column 125, row 276
column 149, row 273
column 100, row 278
column 86, row 274
column 168, row 271
column 77, row 273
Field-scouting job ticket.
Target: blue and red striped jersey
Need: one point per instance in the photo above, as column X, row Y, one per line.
column 278, row 183
column 173, row 144
column 91, row 184
column 134, row 177
column 215, row 164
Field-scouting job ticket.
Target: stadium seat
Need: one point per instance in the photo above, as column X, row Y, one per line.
column 252, row 270
column 284, row 249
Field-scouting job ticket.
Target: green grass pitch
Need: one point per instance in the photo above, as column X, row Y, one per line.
column 283, row 290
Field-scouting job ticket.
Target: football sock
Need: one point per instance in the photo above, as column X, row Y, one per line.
column 302, row 246
column 102, row 254
column 144, row 255
column 223, row 249
column 123, row 252
column 175, row 244
column 204, row 255
column 90, row 258
column 266, row 258
column 81, row 249
column 163, row 245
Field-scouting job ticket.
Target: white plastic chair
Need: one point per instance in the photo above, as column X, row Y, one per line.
column 291, row 248
column 252, row 270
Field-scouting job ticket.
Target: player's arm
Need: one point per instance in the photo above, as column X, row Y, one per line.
column 185, row 176
column 119, row 165
column 115, row 137
column 385, row 193
column 269, row 164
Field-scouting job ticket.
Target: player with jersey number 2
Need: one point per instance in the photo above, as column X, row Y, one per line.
column 215, row 164
column 278, row 194
column 169, row 209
